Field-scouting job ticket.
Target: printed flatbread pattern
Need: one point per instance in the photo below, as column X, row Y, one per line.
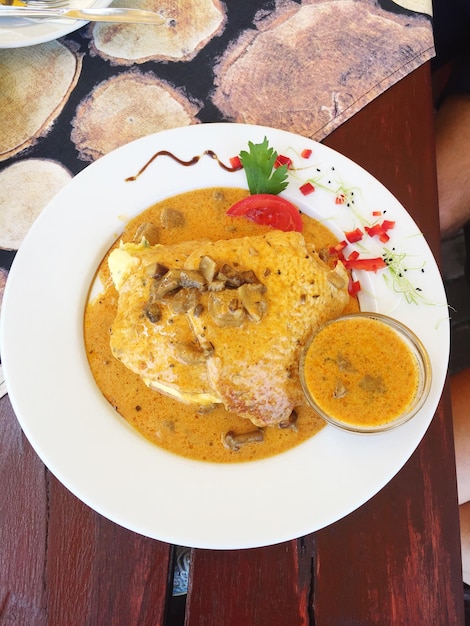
column 308, row 68
column 189, row 25
column 126, row 107
column 44, row 75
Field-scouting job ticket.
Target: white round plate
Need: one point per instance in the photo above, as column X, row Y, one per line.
column 18, row 33
column 107, row 464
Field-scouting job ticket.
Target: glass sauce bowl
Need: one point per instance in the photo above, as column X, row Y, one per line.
column 365, row 372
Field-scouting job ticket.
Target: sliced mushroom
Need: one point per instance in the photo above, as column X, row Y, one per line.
column 324, row 255
column 182, row 301
column 192, row 278
column 225, row 309
column 249, row 277
column 153, row 312
column 171, row 218
column 206, row 408
column 233, row 279
column 340, row 390
column 208, row 268
column 175, row 279
column 164, row 285
column 160, row 270
column 218, row 195
column 149, row 232
column 234, row 442
column 216, row 285
column 336, row 279
column 372, row 384
column 344, row 364
column 251, row 297
column 189, row 354
column 290, row 423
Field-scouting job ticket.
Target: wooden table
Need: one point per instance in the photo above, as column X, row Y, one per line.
column 396, row 560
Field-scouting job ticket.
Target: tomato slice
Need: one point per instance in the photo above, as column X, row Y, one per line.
column 268, row 209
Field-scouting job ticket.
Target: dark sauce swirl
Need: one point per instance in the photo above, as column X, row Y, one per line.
column 195, row 159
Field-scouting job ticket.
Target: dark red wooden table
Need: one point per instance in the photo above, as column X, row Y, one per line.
column 396, row 560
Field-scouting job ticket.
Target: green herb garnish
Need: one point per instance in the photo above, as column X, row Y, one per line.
column 261, row 175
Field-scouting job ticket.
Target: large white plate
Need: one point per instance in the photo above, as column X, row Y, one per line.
column 104, row 461
column 17, row 33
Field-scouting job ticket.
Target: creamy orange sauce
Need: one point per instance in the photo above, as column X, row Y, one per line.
column 361, row 372
column 165, row 421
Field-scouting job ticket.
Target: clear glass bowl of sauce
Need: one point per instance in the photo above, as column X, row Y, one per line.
column 365, row 372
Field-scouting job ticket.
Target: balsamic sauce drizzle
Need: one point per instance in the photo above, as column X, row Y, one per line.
column 195, row 159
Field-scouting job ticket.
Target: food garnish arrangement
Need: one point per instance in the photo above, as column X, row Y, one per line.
column 209, row 299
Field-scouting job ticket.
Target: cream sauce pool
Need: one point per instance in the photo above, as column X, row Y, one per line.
column 166, row 422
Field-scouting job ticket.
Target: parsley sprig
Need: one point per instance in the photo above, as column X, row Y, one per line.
column 261, row 175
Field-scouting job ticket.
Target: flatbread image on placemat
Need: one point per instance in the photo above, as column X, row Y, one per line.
column 308, row 68
column 35, row 84
column 25, row 189
column 189, row 25
column 126, row 107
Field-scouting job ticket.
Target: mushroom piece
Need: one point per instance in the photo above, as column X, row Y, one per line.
column 372, row 384
column 171, row 218
column 192, row 278
column 290, row 423
column 175, row 279
column 153, row 312
column 149, row 232
column 340, row 390
column 251, row 297
column 189, row 354
column 234, row 442
column 182, row 300
column 232, row 278
column 324, row 254
column 216, row 285
column 225, row 309
column 336, row 280
column 208, row 268
column 160, row 270
column 164, row 285
column 206, row 408
column 249, row 277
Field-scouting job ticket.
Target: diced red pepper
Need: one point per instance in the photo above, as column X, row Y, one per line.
column 306, row 153
column 340, row 198
column 340, row 246
column 306, row 189
column 386, row 226
column 353, row 256
column 354, row 235
column 236, row 163
column 282, row 160
column 369, row 265
column 380, row 230
column 376, row 213
column 374, row 230
column 354, row 287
